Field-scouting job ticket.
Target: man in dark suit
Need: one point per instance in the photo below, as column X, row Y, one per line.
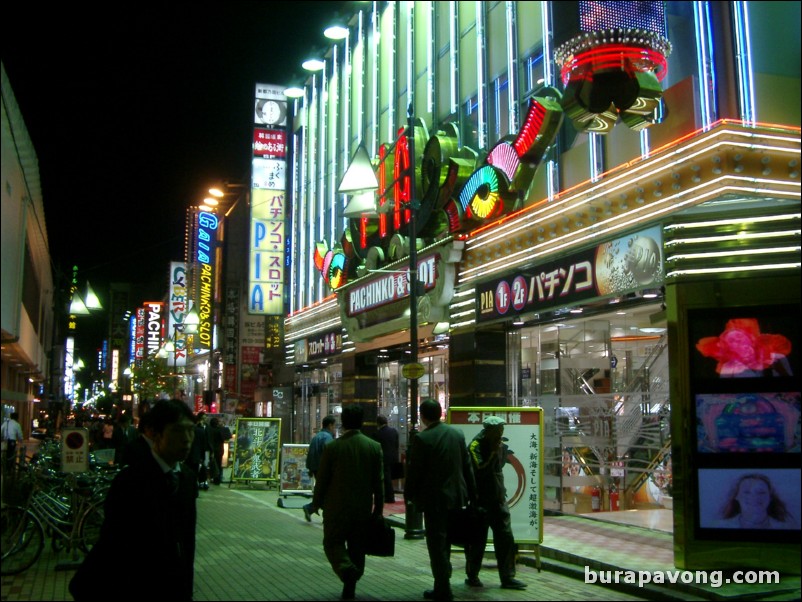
column 156, row 494
column 387, row 437
column 349, row 489
column 439, row 480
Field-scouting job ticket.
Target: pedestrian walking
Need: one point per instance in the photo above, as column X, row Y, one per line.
column 349, row 489
column 219, row 433
column 488, row 453
column 321, row 439
column 157, row 488
column 201, row 452
column 439, row 480
column 387, row 437
column 11, row 433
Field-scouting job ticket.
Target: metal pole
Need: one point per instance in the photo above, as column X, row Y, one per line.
column 413, row 518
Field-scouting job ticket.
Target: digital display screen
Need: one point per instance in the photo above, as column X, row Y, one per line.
column 748, row 422
column 755, row 504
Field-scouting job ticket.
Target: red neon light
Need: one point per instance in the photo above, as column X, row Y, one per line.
column 363, row 232
column 530, row 128
column 382, row 189
column 615, row 56
column 402, row 185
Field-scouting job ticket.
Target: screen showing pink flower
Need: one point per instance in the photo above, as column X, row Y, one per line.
column 743, row 350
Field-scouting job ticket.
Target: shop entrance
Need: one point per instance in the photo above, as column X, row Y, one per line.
column 394, row 389
column 603, row 384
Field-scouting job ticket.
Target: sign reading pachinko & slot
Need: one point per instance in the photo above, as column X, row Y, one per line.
column 205, row 254
column 269, row 239
column 523, row 469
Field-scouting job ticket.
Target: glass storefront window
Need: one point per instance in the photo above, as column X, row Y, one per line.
column 318, row 392
column 603, row 384
column 394, row 390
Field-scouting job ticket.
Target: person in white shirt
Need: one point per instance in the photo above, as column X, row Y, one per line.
column 11, row 433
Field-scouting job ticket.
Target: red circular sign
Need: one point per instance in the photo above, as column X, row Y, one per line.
column 74, row 440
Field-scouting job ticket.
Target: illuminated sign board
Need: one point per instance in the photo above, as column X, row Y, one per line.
column 267, row 237
column 391, row 287
column 139, row 341
column 153, row 326
column 69, row 368
column 269, row 144
column 324, row 344
column 178, row 308
column 269, row 241
column 206, row 225
column 132, row 339
column 622, row 265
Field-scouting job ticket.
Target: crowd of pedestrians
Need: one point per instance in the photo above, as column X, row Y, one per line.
column 173, row 454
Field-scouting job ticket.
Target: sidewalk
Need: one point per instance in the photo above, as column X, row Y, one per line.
column 250, row 548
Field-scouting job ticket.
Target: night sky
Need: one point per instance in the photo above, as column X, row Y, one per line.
column 133, row 112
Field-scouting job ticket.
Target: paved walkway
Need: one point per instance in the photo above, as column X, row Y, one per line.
column 252, row 548
column 249, row 548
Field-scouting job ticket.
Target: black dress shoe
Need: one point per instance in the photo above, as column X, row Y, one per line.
column 513, row 584
column 349, row 590
column 430, row 594
column 474, row 582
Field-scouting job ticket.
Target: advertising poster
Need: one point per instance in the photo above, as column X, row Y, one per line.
column 523, row 472
column 295, row 478
column 256, row 449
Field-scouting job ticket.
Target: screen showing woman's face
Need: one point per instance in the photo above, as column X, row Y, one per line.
column 753, row 496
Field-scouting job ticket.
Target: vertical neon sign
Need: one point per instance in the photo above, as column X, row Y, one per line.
column 205, row 254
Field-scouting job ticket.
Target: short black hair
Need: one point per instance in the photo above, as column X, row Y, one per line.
column 329, row 420
column 166, row 412
column 431, row 409
column 381, row 419
column 352, row 416
column 14, row 415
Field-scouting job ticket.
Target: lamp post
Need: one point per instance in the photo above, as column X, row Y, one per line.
column 413, row 520
column 359, row 181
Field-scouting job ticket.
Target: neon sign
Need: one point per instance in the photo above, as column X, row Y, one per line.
column 205, row 254
column 457, row 191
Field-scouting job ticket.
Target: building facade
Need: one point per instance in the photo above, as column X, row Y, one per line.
column 27, row 279
column 593, row 184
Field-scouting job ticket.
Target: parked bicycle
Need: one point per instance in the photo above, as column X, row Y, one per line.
column 72, row 521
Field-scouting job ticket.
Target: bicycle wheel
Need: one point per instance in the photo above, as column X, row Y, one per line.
column 89, row 528
column 23, row 539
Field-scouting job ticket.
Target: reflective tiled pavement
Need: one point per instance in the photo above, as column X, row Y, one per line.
column 252, row 548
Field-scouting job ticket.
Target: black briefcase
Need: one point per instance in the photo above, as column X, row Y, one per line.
column 380, row 539
column 466, row 526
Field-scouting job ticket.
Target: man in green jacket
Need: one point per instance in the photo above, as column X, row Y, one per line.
column 349, row 487
column 488, row 455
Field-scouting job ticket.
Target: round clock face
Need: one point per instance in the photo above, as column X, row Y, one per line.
column 272, row 112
